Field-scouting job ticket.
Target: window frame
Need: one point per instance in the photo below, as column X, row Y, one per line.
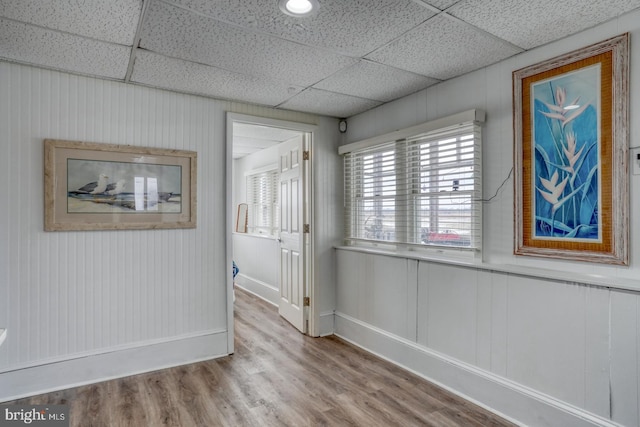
column 406, row 144
column 270, row 178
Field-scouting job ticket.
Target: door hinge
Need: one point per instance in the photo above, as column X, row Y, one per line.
column 306, row 228
column 305, row 155
column 306, row 302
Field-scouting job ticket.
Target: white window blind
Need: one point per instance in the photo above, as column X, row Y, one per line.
column 421, row 190
column 263, row 202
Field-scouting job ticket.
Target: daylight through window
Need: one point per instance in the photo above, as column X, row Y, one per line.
column 263, row 203
column 422, row 190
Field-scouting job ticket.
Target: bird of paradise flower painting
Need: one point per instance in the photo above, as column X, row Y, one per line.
column 566, row 167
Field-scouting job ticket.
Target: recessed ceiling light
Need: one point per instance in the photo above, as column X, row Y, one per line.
column 298, row 7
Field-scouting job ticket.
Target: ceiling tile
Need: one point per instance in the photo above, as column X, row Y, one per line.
column 114, row 21
column 354, row 27
column 375, row 81
column 328, row 103
column 529, row 24
column 439, row 4
column 443, row 48
column 183, row 76
column 186, row 35
column 347, row 58
column 47, row 48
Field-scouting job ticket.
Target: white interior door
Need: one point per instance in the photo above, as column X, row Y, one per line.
column 292, row 236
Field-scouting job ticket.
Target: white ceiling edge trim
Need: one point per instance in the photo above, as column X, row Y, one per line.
column 468, row 116
column 267, row 121
column 263, row 169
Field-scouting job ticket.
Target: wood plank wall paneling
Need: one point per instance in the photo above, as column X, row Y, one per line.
column 64, row 294
column 577, row 344
column 5, row 107
column 625, row 357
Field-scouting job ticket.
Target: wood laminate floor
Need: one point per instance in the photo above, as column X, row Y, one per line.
column 277, row 377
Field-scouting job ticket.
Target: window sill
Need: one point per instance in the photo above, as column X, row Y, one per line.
column 446, row 257
column 597, row 280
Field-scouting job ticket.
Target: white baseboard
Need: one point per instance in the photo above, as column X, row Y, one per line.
column 517, row 403
column 259, row 288
column 327, row 324
column 94, row 368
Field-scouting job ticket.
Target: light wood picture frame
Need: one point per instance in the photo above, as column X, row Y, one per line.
column 95, row 186
column 571, row 131
column 242, row 218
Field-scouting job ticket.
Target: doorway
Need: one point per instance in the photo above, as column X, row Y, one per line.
column 282, row 254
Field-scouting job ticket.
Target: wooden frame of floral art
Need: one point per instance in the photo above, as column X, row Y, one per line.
column 571, row 155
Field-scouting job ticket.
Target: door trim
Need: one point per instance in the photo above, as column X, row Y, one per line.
column 263, row 121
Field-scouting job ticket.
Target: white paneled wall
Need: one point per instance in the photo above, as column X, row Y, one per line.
column 543, row 350
column 76, row 292
column 564, row 342
column 447, row 310
column 327, row 220
column 71, row 294
column 83, row 306
column 625, row 357
column 378, row 292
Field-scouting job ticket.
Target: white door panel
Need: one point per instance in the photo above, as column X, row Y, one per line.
column 296, row 206
column 285, row 207
column 292, row 245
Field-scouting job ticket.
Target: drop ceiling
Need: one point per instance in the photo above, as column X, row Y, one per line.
column 350, row 56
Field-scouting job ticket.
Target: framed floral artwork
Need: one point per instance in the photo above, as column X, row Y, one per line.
column 571, row 147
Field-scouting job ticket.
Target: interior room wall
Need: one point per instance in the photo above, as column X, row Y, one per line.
column 256, row 256
column 80, row 307
column 543, row 341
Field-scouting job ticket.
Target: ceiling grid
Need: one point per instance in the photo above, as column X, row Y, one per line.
column 348, row 57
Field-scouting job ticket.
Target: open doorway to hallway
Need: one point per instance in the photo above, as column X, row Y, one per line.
column 271, row 203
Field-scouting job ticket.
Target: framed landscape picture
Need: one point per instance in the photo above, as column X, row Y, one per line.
column 571, row 147
column 91, row 186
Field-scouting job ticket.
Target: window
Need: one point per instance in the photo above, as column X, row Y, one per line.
column 263, row 202
column 422, row 189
